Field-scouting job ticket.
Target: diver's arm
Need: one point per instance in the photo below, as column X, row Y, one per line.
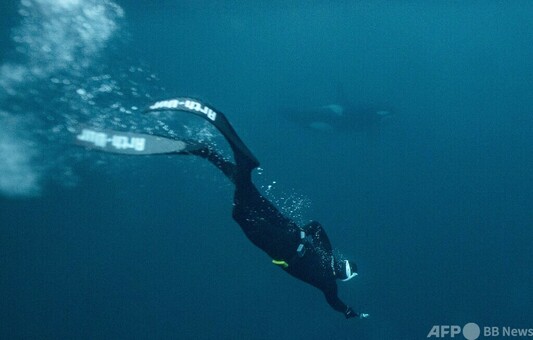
column 336, row 303
column 333, row 300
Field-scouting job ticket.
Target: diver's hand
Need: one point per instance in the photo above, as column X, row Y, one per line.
column 351, row 314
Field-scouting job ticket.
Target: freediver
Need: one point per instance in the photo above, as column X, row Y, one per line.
column 303, row 252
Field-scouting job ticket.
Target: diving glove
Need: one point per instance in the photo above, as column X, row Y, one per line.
column 350, row 313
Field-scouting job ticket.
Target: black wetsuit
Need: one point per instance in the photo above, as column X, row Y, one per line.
column 304, row 252
column 280, row 236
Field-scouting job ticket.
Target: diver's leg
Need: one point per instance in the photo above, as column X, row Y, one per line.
column 246, row 198
column 240, row 173
column 243, row 170
column 228, row 168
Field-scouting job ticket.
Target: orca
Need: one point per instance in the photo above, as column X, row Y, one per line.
column 341, row 115
column 337, row 118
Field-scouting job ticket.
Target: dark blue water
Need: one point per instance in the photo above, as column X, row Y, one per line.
column 436, row 209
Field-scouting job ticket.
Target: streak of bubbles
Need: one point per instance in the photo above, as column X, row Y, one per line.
column 65, row 74
column 292, row 204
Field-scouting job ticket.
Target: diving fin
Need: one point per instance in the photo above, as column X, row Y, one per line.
column 213, row 116
column 129, row 143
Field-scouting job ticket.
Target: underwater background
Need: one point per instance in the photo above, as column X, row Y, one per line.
column 436, row 209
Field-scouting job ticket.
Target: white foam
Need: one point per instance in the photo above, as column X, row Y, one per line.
column 18, row 175
column 56, row 35
column 57, row 42
column 10, row 76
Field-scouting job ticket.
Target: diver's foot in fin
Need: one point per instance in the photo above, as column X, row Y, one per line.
column 346, row 270
column 243, row 155
column 207, row 152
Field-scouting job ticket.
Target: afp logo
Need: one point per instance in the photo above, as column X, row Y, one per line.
column 470, row 331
